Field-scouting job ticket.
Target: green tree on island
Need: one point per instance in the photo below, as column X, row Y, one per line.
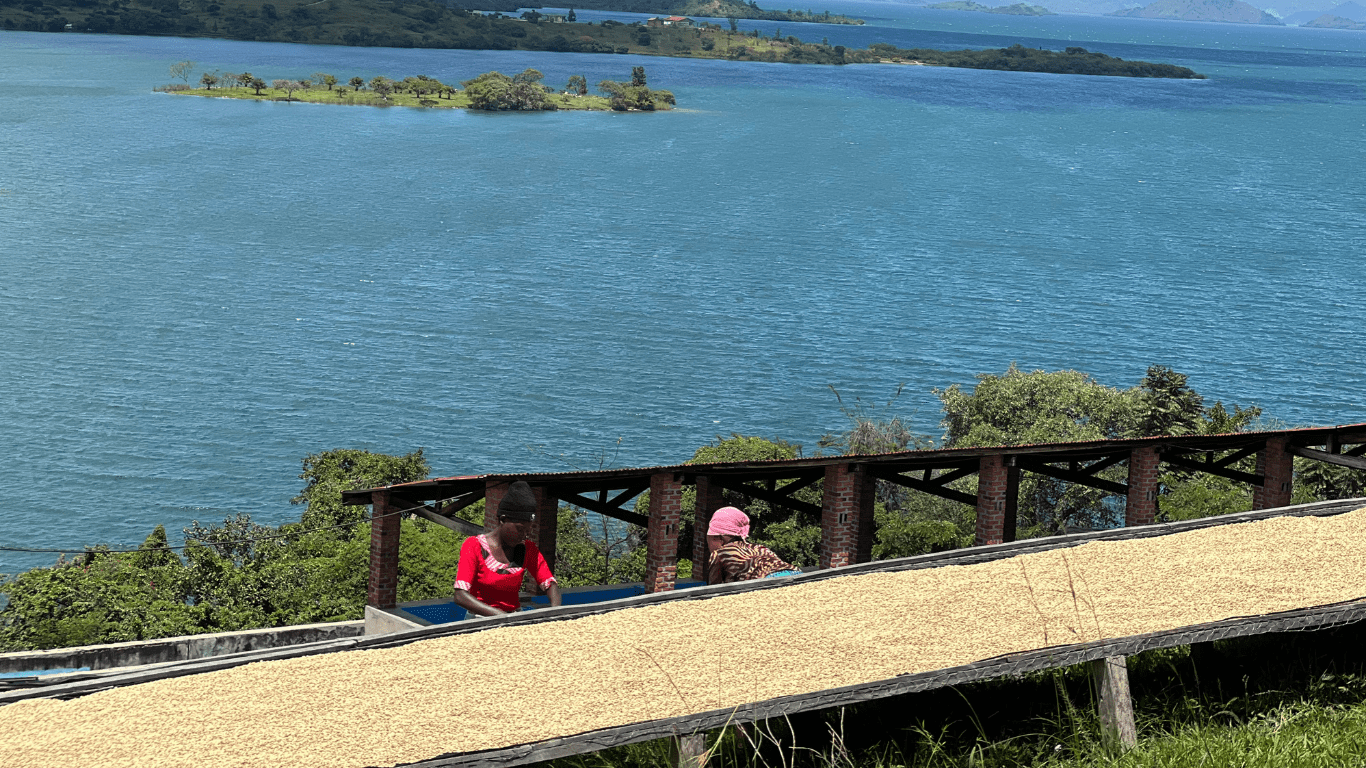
column 356, row 84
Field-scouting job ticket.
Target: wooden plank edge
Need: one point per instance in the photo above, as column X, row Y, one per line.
column 1000, row 666
column 115, row 678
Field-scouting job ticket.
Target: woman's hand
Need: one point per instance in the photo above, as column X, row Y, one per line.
column 554, row 593
column 467, row 601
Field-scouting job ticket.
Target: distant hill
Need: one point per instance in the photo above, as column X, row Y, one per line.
column 1329, row 21
column 1018, row 9
column 717, row 9
column 1231, row 11
column 1351, row 11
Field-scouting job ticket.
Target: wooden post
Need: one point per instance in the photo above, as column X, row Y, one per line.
column 709, row 499
column 1111, row 678
column 688, row 751
column 1012, row 510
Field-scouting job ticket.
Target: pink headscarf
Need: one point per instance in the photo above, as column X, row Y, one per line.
column 729, row 521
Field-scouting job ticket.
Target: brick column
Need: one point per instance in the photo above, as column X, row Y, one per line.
column 384, row 532
column 494, row 491
column 847, row 516
column 547, row 525
column 1276, row 465
column 661, row 538
column 992, row 492
column 1141, row 506
column 709, row 499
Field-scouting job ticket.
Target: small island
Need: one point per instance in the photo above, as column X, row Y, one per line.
column 1018, row 9
column 1017, row 58
column 489, row 92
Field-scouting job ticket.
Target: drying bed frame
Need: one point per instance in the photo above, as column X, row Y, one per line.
column 1308, row 618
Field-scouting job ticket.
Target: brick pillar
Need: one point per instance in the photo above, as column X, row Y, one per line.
column 1276, row 465
column 547, row 525
column 992, row 492
column 1141, row 506
column 847, row 516
column 494, row 491
column 384, row 531
column 661, row 538
column 709, row 499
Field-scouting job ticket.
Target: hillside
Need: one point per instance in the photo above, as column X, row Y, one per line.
column 1230, row 11
column 716, row 9
column 1018, row 9
column 1329, row 21
column 1350, row 11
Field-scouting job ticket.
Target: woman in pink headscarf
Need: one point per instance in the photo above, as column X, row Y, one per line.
column 733, row 557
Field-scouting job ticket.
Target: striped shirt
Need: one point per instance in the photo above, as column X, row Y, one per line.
column 742, row 561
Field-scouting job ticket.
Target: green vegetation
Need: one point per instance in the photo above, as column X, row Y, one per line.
column 315, row 569
column 427, row 24
column 1018, row 9
column 491, row 91
column 1017, row 58
column 716, row 9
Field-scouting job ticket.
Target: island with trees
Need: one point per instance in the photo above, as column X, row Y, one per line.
column 428, row 24
column 489, row 92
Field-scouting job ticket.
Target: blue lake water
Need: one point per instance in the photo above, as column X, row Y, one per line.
column 197, row 292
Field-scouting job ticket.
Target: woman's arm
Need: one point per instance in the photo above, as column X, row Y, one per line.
column 716, row 574
column 554, row 593
column 467, row 601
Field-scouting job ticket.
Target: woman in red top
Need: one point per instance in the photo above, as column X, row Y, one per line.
column 488, row 576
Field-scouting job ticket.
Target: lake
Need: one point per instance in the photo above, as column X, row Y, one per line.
column 199, row 292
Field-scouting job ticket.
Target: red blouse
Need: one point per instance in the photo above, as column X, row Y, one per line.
column 494, row 583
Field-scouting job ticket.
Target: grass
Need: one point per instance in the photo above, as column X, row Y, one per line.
column 1290, row 700
column 339, row 95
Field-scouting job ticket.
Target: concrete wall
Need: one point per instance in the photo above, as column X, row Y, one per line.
column 175, row 648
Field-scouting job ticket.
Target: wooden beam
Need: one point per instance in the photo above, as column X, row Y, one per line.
column 763, row 494
column 1080, row 477
column 916, row 484
column 800, row 483
column 1357, row 451
column 1340, row 459
column 1177, row 460
column 460, row 526
column 948, row 477
column 593, row 505
column 1105, row 463
column 628, row 494
column 459, row 502
column 1237, row 456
